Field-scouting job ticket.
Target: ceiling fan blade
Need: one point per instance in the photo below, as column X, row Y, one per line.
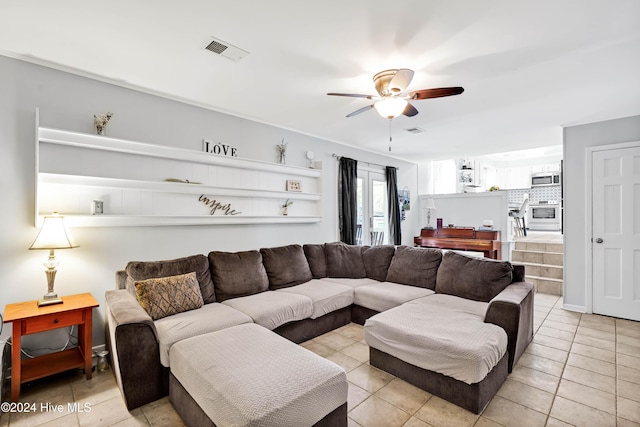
column 401, row 80
column 353, row 95
column 362, row 110
column 436, row 93
column 410, row 111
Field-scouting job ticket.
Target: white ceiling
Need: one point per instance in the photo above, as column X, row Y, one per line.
column 528, row 67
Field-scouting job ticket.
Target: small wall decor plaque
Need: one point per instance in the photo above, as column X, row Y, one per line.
column 219, row 148
column 293, row 185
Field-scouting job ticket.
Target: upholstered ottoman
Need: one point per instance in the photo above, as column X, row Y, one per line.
column 441, row 344
column 247, row 375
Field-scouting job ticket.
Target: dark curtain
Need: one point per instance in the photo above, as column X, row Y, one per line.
column 395, row 234
column 347, row 199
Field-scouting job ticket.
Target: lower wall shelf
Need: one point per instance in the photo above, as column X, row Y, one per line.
column 155, row 220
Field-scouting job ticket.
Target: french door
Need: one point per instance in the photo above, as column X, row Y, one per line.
column 616, row 232
column 373, row 221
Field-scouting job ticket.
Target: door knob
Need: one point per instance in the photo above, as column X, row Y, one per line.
column 599, row 240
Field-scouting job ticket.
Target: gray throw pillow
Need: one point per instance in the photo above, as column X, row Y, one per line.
column 317, row 260
column 286, row 266
column 344, row 261
column 478, row 279
column 237, row 274
column 376, row 261
column 142, row 270
column 415, row 267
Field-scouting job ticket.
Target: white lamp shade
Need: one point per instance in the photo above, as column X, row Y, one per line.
column 54, row 234
column 429, row 204
column 391, row 108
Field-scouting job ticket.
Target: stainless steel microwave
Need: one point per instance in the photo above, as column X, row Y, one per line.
column 542, row 179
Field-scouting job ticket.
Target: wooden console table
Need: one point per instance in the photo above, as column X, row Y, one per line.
column 28, row 318
column 461, row 238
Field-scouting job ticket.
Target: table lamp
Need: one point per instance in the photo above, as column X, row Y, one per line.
column 429, row 204
column 53, row 235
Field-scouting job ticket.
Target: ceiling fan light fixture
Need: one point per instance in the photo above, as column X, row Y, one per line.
column 390, row 108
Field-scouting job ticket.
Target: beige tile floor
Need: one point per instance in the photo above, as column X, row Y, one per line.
column 581, row 370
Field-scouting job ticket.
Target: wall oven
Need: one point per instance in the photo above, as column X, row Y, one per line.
column 544, row 216
column 543, row 179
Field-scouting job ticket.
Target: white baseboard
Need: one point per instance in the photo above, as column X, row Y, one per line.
column 576, row 308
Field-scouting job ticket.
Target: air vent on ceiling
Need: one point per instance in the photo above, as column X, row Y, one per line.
column 226, row 50
column 415, row 130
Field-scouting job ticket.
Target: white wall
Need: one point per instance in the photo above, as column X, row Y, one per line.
column 576, row 230
column 68, row 101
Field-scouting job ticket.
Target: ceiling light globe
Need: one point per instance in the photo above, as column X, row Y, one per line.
column 391, row 108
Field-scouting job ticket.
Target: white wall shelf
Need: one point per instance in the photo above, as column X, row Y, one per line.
column 73, row 169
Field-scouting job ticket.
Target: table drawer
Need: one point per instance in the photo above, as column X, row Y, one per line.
column 52, row 321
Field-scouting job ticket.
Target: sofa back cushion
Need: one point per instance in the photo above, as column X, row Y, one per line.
column 415, row 267
column 164, row 296
column 478, row 279
column 142, row 270
column 286, row 266
column 317, row 260
column 344, row 260
column 376, row 261
column 237, row 274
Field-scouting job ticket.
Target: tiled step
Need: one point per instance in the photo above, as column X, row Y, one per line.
column 537, row 257
column 543, row 270
column 545, row 285
column 540, row 247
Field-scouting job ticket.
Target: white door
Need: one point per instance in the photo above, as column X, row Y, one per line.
column 616, row 232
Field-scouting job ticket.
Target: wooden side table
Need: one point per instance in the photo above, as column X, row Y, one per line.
column 28, row 318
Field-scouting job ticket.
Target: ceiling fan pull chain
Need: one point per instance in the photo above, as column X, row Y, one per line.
column 390, row 139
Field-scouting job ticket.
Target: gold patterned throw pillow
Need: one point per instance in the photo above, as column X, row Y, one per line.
column 164, row 296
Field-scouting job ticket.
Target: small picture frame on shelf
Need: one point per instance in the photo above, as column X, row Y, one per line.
column 97, row 207
column 293, row 185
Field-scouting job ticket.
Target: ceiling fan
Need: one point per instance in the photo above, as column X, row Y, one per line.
column 391, row 101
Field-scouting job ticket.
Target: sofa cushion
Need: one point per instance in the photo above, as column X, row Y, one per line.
column 478, row 279
column 164, row 296
column 385, row 295
column 237, row 274
column 455, row 344
column 141, row 270
column 415, row 266
column 354, row 283
column 208, row 318
column 317, row 260
column 455, row 304
column 286, row 266
column 326, row 296
column 376, row 261
column 248, row 376
column 344, row 260
column 272, row 309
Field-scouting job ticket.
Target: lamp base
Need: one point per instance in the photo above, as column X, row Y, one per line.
column 49, row 299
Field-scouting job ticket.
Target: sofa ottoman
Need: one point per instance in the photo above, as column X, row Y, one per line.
column 248, row 376
column 451, row 353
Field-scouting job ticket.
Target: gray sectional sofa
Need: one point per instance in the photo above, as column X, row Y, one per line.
column 301, row 292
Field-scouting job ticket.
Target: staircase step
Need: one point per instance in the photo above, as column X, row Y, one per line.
column 543, row 270
column 537, row 257
column 545, row 285
column 539, row 247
